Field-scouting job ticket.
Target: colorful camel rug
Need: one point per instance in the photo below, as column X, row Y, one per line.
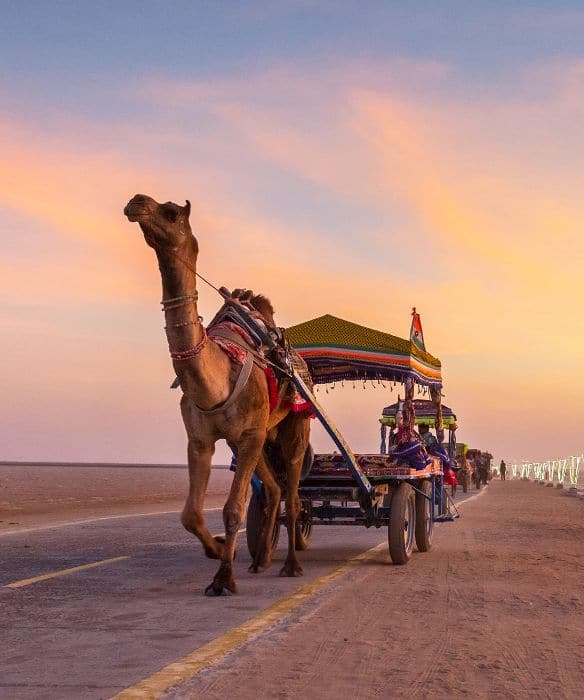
column 222, row 334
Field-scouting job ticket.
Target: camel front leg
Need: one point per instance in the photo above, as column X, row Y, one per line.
column 249, row 452
column 193, row 518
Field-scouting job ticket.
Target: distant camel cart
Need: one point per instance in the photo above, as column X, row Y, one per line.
column 464, row 472
column 480, row 464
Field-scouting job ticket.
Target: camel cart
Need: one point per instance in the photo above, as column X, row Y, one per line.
column 464, row 472
column 480, row 466
column 426, row 415
column 395, row 490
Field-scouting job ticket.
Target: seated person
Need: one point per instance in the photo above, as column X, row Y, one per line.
column 435, row 448
column 430, row 442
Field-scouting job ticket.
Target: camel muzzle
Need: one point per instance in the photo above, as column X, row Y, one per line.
column 137, row 207
column 128, row 213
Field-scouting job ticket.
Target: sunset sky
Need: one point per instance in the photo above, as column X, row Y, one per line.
column 351, row 158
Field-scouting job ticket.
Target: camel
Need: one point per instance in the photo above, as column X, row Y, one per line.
column 211, row 410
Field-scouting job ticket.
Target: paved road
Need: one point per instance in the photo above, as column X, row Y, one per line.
column 92, row 632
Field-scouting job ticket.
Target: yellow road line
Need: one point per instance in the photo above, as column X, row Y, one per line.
column 63, row 572
column 212, row 652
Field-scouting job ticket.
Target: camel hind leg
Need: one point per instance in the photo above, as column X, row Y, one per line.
column 293, row 436
column 272, row 493
column 263, row 558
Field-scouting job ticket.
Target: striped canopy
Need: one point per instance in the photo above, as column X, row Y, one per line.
column 335, row 349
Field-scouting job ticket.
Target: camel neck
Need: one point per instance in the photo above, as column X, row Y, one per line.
column 199, row 365
column 179, row 299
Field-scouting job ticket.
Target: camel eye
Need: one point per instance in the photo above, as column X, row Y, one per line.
column 170, row 214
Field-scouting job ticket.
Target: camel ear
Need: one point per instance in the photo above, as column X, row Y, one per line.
column 187, row 209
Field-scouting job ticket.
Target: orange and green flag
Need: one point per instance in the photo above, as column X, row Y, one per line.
column 416, row 332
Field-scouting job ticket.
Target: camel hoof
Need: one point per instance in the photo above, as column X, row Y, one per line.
column 291, row 570
column 213, row 591
column 259, row 568
column 223, row 582
column 221, row 587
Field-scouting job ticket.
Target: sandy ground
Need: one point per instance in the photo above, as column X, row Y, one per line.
column 494, row 611
column 41, row 495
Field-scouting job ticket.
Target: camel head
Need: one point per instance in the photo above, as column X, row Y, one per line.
column 165, row 226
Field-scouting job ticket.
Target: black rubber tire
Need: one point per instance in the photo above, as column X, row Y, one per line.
column 256, row 517
column 424, row 521
column 402, row 523
column 465, row 481
column 303, row 528
column 303, row 532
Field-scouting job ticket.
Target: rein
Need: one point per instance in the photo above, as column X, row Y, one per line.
column 150, row 242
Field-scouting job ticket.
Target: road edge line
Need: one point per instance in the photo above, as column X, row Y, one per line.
column 471, row 498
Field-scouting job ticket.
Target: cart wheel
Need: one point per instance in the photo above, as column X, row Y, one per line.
column 465, row 484
column 402, row 522
column 424, row 521
column 256, row 518
column 303, row 527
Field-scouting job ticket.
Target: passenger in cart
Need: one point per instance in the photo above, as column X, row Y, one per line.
column 435, row 448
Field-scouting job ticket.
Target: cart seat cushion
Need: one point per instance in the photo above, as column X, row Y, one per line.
column 372, row 464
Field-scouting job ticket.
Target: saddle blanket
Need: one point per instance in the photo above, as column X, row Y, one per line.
column 227, row 335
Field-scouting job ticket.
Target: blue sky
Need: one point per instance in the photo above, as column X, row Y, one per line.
column 87, row 41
